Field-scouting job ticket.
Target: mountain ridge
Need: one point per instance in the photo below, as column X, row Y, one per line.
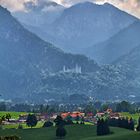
column 83, row 25
column 24, row 57
column 112, row 48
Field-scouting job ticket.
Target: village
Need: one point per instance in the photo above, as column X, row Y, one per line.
column 42, row 117
column 59, row 122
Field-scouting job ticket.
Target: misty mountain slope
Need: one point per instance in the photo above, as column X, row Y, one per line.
column 24, row 58
column 31, row 68
column 130, row 64
column 117, row 46
column 84, row 25
column 110, row 83
column 130, row 60
column 117, row 81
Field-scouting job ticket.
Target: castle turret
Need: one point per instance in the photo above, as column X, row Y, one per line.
column 64, row 69
column 77, row 69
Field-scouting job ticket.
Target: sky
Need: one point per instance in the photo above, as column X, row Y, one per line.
column 130, row 6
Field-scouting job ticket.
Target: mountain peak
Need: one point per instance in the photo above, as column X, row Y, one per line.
column 107, row 4
column 4, row 10
column 88, row 3
column 88, row 6
column 110, row 6
column 1, row 7
column 85, row 4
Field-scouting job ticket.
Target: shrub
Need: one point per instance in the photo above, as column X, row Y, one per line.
column 138, row 127
column 61, row 132
column 48, row 124
column 69, row 120
column 102, row 127
column 31, row 120
column 60, row 123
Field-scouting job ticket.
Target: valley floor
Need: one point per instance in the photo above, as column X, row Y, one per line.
column 75, row 132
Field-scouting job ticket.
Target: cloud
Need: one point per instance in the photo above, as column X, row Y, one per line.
column 27, row 5
column 42, row 6
column 15, row 5
column 130, row 6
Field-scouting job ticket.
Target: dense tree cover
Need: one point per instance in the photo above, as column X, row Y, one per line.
column 60, row 123
column 104, row 107
column 77, row 119
column 122, row 123
column 2, row 118
column 61, row 132
column 102, row 127
column 3, row 106
column 90, row 106
column 48, row 124
column 110, row 82
column 123, row 107
column 69, row 120
column 8, row 116
column 31, row 120
column 82, row 120
column 138, row 127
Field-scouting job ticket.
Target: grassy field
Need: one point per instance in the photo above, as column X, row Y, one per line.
column 15, row 126
column 39, row 125
column 75, row 132
column 14, row 115
column 134, row 116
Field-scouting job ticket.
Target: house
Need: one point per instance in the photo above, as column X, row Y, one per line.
column 100, row 114
column 72, row 114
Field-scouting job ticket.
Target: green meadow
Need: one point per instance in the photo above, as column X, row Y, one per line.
column 14, row 115
column 75, row 132
column 134, row 116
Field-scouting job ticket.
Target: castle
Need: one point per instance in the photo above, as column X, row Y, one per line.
column 77, row 69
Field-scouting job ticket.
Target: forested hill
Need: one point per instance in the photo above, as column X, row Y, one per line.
column 24, row 57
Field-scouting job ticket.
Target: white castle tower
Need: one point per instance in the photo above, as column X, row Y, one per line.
column 64, row 68
column 77, row 69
